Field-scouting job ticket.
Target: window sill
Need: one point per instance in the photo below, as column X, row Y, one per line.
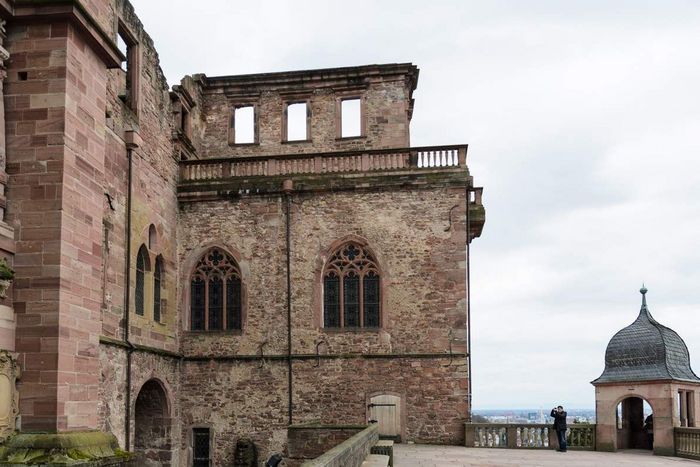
column 297, row 141
column 243, row 145
column 351, row 138
column 231, row 332
column 351, row 330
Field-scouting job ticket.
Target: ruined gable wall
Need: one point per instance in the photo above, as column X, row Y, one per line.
column 386, row 107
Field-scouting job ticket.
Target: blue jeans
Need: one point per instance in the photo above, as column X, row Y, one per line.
column 561, row 437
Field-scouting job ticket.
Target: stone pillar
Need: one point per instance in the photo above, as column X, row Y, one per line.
column 683, row 408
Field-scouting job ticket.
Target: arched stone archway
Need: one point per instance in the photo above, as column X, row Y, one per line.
column 634, row 427
column 152, row 438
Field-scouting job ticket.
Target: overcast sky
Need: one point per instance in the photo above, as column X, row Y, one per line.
column 583, row 125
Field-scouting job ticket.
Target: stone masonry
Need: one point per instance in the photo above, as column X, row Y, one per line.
column 117, row 185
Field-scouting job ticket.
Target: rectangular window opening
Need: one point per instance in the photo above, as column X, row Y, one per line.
column 129, row 88
column 123, row 48
column 296, row 122
column 244, row 125
column 350, row 118
column 201, row 439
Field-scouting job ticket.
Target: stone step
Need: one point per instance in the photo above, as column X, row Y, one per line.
column 384, row 447
column 376, row 460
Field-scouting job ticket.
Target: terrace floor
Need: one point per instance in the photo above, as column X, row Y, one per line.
column 421, row 455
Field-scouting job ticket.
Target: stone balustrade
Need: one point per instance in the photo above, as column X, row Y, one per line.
column 419, row 158
column 687, row 442
column 526, row 436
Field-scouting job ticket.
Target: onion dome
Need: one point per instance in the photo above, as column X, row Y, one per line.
column 645, row 351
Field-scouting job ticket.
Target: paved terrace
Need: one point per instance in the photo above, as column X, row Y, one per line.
column 419, row 455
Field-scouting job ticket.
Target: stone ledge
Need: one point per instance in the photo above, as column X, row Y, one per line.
column 86, row 448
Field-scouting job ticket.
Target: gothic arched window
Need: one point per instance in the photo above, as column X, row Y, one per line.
column 157, row 284
column 215, row 293
column 142, row 265
column 351, row 288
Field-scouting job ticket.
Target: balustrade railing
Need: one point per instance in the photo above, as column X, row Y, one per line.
column 687, row 442
column 432, row 157
column 526, row 436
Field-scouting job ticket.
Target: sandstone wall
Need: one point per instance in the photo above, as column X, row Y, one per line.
column 387, row 100
column 423, row 273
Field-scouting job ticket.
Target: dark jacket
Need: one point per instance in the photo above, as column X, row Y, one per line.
column 559, row 420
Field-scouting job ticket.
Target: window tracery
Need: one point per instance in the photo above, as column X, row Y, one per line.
column 215, row 293
column 351, row 289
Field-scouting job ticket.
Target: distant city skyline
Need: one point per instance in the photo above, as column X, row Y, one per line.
column 581, row 119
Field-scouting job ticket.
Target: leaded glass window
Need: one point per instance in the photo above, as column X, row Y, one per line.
column 157, row 283
column 141, row 267
column 216, row 293
column 351, row 289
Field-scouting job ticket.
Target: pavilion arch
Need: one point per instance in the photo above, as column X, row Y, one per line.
column 630, row 430
column 153, row 424
column 189, row 266
column 320, row 268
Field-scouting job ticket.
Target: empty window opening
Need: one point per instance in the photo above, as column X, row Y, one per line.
column 185, row 121
column 22, row 75
column 123, row 48
column 244, row 125
column 201, row 440
column 350, row 118
column 128, row 46
column 297, row 122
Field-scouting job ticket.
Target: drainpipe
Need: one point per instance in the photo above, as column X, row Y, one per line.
column 287, row 187
column 470, row 189
column 127, row 300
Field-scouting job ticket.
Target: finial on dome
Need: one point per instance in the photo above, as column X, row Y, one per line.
column 643, row 291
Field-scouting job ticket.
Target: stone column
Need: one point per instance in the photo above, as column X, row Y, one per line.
column 683, row 408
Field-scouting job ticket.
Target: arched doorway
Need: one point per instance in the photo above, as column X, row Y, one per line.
column 385, row 410
column 152, row 434
column 635, row 424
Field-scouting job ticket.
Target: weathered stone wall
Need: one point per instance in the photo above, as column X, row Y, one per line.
column 423, row 268
column 350, row 453
column 310, row 440
column 387, row 100
column 423, row 274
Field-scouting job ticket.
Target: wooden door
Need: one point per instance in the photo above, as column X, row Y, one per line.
column 386, row 410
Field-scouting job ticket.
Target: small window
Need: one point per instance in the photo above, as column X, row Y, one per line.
column 201, row 442
column 185, row 121
column 244, row 125
column 350, row 118
column 152, row 237
column 157, row 285
column 297, row 122
column 127, row 45
column 141, row 267
column 123, row 48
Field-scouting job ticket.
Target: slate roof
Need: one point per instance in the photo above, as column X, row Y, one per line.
column 646, row 350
